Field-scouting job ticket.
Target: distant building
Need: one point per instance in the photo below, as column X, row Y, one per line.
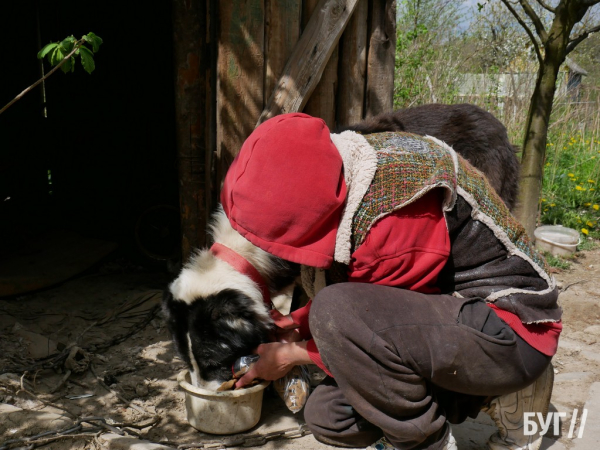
column 512, row 89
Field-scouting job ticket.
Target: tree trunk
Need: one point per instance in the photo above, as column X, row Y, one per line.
column 534, row 147
column 538, row 117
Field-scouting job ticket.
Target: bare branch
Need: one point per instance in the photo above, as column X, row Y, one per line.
column 536, row 45
column 577, row 40
column 590, row 2
column 537, row 22
column 546, row 6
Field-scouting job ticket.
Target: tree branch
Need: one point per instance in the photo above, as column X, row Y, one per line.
column 546, row 6
column 590, row 2
column 18, row 97
column 577, row 40
column 536, row 46
column 537, row 22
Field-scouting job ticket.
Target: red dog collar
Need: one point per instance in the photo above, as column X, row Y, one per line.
column 243, row 266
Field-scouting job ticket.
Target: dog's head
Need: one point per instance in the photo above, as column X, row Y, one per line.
column 212, row 332
column 215, row 316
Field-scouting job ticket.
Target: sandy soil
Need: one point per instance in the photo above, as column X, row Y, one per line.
column 133, row 383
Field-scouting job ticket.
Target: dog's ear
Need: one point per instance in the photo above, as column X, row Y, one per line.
column 176, row 315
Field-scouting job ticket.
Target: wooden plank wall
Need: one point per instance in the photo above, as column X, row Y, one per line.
column 191, row 66
column 240, row 76
column 333, row 59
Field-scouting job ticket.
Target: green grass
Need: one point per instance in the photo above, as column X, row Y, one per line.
column 557, row 261
column 571, row 188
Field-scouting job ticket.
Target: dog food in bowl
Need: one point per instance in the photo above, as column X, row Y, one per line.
column 224, row 412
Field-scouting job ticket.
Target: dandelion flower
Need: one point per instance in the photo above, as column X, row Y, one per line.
column 587, row 204
column 596, row 207
column 580, row 188
column 591, row 181
column 585, row 231
column 571, row 175
column 589, row 224
column 552, row 204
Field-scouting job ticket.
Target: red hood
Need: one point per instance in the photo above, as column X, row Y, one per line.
column 285, row 190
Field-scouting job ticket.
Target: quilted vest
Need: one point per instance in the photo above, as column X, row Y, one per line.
column 491, row 255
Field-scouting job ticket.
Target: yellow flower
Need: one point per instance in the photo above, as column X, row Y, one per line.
column 552, row 204
column 579, row 188
column 596, row 207
column 591, row 181
column 570, row 175
column 587, row 204
column 589, row 224
column 543, row 200
column 592, row 189
column 585, row 231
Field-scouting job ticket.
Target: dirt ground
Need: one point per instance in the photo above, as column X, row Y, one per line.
column 123, row 380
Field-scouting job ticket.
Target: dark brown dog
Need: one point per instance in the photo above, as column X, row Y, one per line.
column 475, row 134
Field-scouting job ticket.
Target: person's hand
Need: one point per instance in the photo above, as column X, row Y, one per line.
column 276, row 359
column 287, row 335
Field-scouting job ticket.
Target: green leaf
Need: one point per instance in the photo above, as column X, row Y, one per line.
column 44, row 51
column 87, row 59
column 67, row 66
column 56, row 56
column 67, row 45
column 94, row 40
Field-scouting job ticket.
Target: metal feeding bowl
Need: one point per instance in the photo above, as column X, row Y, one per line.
column 556, row 239
column 225, row 412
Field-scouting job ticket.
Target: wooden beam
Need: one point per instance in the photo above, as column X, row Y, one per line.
column 311, row 53
column 322, row 100
column 381, row 58
column 191, row 62
column 352, row 68
column 240, row 77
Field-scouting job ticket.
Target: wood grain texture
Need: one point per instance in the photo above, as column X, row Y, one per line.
column 352, row 68
column 309, row 58
column 380, row 59
column 240, row 76
column 281, row 35
column 322, row 100
column 191, row 65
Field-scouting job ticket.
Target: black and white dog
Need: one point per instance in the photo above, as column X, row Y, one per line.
column 218, row 311
column 218, row 307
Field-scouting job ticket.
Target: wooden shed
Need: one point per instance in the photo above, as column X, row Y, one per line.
column 240, row 62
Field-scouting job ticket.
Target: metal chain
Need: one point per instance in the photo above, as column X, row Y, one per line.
column 249, row 440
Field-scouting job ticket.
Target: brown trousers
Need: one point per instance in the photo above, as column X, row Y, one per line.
column 406, row 363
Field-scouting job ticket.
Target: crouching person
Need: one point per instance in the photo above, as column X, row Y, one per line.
column 429, row 301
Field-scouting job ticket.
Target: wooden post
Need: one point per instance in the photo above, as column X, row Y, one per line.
column 322, row 100
column 240, row 77
column 191, row 63
column 352, row 67
column 310, row 55
column 381, row 57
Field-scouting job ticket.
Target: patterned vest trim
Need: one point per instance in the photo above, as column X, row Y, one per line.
column 410, row 165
